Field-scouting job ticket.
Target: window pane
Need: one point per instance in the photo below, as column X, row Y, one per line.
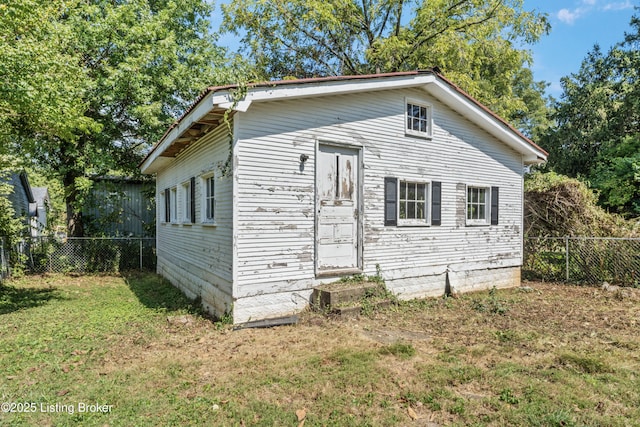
column 423, row 112
column 421, row 191
column 420, row 211
column 411, row 210
column 403, row 190
column 423, row 126
column 411, row 190
column 481, row 194
column 403, row 210
column 481, row 212
column 416, row 111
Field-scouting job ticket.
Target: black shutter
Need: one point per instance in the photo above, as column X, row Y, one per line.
column 167, row 206
column 390, row 201
column 494, row 205
column 193, row 200
column 436, row 203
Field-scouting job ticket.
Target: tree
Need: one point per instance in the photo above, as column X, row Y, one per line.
column 472, row 41
column 137, row 65
column 596, row 135
column 40, row 80
column 39, row 88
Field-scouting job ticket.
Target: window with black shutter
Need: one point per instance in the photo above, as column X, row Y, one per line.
column 167, row 205
column 436, row 203
column 192, row 206
column 495, row 203
column 390, row 201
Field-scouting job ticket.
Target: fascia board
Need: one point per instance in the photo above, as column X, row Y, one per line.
column 273, row 93
column 481, row 118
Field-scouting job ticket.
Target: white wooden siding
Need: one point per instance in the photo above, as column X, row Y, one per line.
column 195, row 257
column 275, row 195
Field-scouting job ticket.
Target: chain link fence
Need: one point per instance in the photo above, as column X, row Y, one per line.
column 80, row 255
column 591, row 260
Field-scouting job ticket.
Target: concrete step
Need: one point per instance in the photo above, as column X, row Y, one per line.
column 346, row 298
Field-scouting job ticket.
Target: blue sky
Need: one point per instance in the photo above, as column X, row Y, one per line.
column 576, row 26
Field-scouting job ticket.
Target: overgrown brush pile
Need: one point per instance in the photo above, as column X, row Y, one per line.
column 556, row 206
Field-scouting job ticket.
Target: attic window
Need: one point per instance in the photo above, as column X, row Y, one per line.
column 418, row 118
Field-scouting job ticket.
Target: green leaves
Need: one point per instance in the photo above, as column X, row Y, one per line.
column 40, row 82
column 87, row 86
column 597, row 131
column 472, row 41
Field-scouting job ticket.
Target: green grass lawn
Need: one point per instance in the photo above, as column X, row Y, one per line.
column 132, row 351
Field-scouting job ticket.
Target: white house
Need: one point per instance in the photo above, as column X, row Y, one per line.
column 268, row 190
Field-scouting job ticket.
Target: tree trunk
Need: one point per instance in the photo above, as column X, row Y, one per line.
column 75, row 225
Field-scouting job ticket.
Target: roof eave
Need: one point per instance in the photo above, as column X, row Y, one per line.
column 153, row 161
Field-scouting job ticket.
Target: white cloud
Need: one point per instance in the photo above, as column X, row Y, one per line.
column 569, row 17
column 618, row 5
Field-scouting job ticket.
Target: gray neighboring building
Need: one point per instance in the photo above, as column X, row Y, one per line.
column 120, row 206
column 29, row 203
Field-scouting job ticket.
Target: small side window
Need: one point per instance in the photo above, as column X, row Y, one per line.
column 188, row 202
column 174, row 204
column 208, row 198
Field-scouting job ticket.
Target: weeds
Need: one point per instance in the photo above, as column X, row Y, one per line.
column 491, row 304
column 583, row 364
column 507, row 396
column 401, row 350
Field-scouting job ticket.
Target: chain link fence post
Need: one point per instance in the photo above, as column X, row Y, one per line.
column 566, row 255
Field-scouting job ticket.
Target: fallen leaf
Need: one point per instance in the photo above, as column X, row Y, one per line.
column 62, row 392
column 79, row 352
column 11, row 377
column 412, row 413
column 301, row 414
column 301, row 423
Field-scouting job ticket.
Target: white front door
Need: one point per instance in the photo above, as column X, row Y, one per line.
column 337, row 193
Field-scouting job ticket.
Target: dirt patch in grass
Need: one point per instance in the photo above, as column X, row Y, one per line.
column 551, row 355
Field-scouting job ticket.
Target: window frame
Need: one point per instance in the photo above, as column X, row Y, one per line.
column 414, row 222
column 173, row 200
column 429, row 118
column 186, row 191
column 207, row 198
column 487, row 205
